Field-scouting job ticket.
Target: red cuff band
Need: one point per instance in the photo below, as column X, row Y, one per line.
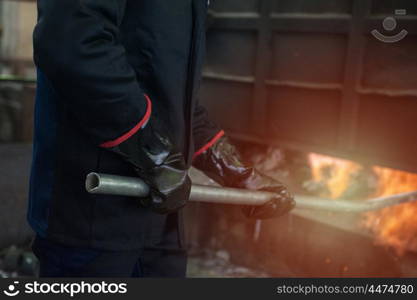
column 209, row 144
column 135, row 129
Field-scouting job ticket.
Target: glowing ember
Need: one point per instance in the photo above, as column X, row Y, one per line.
column 334, row 173
column 394, row 226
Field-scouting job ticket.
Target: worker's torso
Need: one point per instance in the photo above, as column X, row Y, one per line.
column 164, row 42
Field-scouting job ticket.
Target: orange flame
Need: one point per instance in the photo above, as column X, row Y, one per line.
column 334, row 173
column 394, row 226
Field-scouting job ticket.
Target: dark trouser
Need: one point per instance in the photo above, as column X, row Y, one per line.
column 161, row 257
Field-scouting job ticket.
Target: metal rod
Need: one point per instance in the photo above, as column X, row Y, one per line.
column 127, row 186
column 354, row 206
column 213, row 194
column 104, row 184
column 17, row 79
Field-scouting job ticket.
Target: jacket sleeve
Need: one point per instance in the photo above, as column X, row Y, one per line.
column 77, row 47
column 205, row 132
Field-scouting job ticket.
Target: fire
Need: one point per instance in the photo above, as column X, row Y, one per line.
column 394, row 226
column 334, row 173
column 394, row 181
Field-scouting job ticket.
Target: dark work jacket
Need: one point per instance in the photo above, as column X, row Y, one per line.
column 97, row 59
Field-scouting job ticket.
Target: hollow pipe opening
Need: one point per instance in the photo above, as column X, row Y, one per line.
column 92, row 182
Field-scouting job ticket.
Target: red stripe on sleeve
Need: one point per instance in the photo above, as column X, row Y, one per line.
column 209, row 144
column 135, row 129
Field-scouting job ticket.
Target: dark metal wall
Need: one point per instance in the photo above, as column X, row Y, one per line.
column 308, row 75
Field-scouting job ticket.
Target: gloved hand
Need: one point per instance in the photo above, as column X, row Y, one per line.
column 160, row 165
column 222, row 163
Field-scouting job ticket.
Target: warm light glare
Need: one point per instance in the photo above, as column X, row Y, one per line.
column 335, row 173
column 394, row 226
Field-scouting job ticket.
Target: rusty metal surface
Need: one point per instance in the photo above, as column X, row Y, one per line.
column 309, row 75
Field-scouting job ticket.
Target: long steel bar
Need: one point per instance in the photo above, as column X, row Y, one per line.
column 127, row 186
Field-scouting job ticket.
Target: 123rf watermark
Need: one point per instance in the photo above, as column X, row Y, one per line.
column 63, row 288
column 367, row 289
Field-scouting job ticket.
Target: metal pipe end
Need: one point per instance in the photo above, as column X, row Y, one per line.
column 92, row 182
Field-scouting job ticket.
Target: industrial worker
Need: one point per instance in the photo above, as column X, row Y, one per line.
column 117, row 93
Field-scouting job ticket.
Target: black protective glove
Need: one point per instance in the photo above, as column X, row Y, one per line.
column 222, row 163
column 160, row 165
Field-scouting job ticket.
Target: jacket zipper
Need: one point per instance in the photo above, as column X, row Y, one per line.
column 190, row 83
